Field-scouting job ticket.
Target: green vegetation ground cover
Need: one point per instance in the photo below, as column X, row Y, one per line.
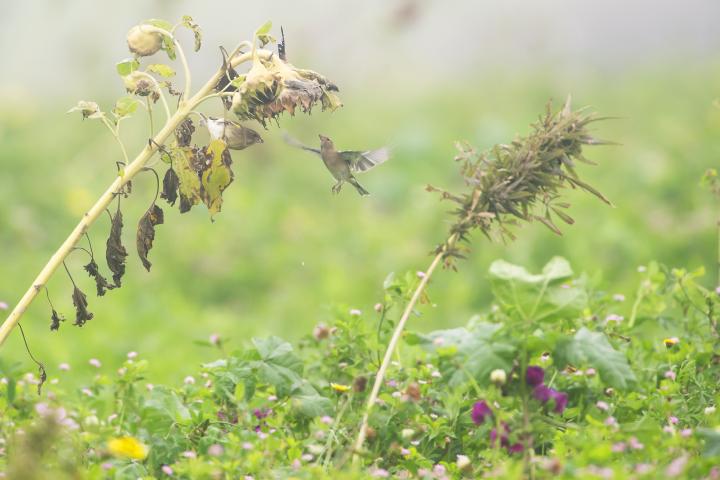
column 605, row 369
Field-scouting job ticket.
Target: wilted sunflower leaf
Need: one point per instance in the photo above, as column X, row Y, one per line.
column 127, row 66
column 100, row 282
column 188, row 22
column 55, row 320
column 146, row 233
column 82, row 314
column 125, row 106
column 161, row 69
column 217, row 177
column 170, row 186
column 184, row 160
column 115, row 252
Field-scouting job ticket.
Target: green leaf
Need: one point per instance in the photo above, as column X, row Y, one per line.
column 162, row 409
column 476, row 353
column 278, row 365
column 543, row 296
column 264, row 29
column 312, row 405
column 712, row 441
column 217, row 177
column 592, row 349
column 127, row 66
column 125, row 107
column 161, row 69
column 164, row 24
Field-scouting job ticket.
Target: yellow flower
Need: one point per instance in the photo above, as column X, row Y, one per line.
column 670, row 342
column 128, row 447
column 340, row 388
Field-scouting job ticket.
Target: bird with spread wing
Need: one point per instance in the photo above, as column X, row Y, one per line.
column 343, row 164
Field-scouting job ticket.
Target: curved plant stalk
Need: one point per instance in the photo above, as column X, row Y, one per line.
column 126, row 175
column 380, row 376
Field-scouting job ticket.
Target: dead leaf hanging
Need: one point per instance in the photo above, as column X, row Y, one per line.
column 171, row 183
column 100, row 282
column 82, row 314
column 115, row 253
column 55, row 320
column 146, row 233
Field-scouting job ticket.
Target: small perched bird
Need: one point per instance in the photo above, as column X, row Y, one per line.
column 236, row 136
column 342, row 164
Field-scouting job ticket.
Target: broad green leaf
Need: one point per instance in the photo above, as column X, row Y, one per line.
column 161, row 69
column 168, row 44
column 542, row 296
column 712, row 441
column 312, row 405
column 162, row 409
column 475, row 352
column 127, row 66
column 278, row 365
column 217, row 177
column 592, row 349
column 125, row 106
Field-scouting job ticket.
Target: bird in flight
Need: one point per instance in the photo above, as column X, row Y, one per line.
column 343, row 164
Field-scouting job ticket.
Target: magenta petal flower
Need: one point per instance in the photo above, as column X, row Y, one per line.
column 504, row 439
column 480, row 411
column 543, row 393
column 561, row 400
column 534, row 375
column 515, row 448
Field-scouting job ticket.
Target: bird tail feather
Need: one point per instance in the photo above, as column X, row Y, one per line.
column 358, row 187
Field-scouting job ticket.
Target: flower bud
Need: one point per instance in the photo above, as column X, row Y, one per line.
column 498, row 377
column 143, row 43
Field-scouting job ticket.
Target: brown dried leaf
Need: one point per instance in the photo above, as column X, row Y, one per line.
column 55, row 320
column 115, row 252
column 146, row 232
column 100, row 282
column 82, row 314
column 171, row 183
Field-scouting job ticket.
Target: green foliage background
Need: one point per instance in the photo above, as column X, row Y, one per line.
column 284, row 252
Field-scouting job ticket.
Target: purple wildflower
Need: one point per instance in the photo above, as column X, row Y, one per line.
column 480, row 411
column 515, row 448
column 534, row 375
column 504, row 436
column 561, row 400
column 261, row 413
column 542, row 393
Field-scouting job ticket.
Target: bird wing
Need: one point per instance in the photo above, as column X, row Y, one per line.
column 364, row 161
column 297, row 143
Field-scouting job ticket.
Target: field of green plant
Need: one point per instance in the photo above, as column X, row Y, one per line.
column 251, row 347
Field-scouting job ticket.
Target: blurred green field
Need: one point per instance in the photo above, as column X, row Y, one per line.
column 285, row 253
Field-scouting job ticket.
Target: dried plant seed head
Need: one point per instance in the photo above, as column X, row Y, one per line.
column 521, row 181
column 274, row 86
column 142, row 42
column 139, row 83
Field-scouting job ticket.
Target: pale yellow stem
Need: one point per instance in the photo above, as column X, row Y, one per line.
column 127, row 174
